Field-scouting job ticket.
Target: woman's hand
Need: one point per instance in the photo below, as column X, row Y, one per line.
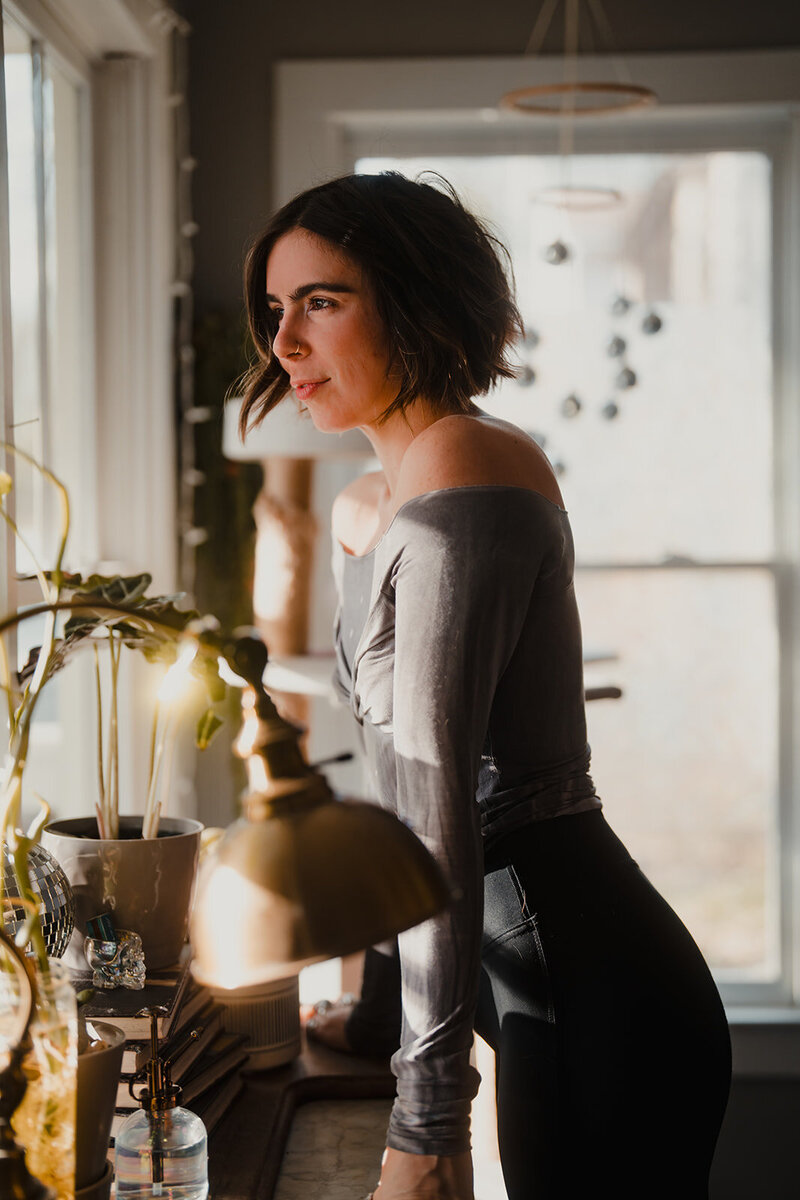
column 425, row 1177
column 326, row 1023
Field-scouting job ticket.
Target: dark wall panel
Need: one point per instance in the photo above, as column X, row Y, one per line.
column 758, row 1156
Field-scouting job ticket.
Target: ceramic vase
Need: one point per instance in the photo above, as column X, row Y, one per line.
column 146, row 884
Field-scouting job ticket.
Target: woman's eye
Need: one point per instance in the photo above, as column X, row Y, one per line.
column 316, row 303
column 277, row 313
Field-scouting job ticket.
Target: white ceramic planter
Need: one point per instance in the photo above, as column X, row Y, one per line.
column 145, row 884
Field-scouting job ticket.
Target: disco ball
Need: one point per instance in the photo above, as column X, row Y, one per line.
column 56, row 901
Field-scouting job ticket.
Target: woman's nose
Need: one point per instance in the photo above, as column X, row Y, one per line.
column 287, row 340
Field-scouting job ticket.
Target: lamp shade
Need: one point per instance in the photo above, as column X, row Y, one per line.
column 302, row 876
column 304, row 884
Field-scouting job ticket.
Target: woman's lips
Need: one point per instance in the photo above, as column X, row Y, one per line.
column 306, row 389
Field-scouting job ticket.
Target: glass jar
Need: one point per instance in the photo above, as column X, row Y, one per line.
column 161, row 1154
column 44, row 1123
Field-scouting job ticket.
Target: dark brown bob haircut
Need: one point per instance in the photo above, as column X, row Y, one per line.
column 437, row 275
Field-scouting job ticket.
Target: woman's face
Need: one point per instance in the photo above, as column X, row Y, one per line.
column 330, row 339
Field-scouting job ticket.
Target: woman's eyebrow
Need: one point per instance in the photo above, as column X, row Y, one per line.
column 307, row 288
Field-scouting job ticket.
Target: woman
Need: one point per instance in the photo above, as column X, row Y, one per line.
column 385, row 306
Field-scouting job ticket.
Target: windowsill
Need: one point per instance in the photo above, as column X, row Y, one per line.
column 765, row 1042
column 741, row 1014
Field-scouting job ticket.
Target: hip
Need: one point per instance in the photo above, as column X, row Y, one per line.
column 567, row 895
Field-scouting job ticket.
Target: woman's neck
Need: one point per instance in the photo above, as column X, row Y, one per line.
column 391, row 439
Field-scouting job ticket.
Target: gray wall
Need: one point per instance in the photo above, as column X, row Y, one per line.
column 235, row 42
column 233, row 47
column 757, row 1157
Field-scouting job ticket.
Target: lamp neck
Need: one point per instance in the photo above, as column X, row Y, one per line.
column 278, row 775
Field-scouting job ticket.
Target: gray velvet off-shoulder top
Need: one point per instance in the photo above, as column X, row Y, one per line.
column 459, row 650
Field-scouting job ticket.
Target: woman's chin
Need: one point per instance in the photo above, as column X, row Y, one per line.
column 326, row 422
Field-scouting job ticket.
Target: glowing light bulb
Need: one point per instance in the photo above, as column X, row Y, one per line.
column 176, row 681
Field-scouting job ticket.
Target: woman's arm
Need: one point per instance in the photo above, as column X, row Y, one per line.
column 459, row 579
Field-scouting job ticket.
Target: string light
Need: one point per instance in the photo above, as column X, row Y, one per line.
column 194, row 536
column 177, row 29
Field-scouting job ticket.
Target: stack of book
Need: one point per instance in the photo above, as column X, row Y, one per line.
column 205, row 1060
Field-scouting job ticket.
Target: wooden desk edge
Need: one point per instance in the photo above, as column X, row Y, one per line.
column 245, row 1151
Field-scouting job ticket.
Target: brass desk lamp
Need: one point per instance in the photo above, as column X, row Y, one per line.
column 301, row 876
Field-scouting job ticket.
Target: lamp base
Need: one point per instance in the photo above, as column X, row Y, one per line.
column 269, row 1013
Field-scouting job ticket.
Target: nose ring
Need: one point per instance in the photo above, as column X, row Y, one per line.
column 294, row 352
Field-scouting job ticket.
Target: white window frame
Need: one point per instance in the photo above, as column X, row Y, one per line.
column 331, row 113
column 119, row 51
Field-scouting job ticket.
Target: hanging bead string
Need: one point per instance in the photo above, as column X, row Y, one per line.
column 172, row 25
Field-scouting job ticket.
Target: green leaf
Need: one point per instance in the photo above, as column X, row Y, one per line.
column 115, row 589
column 207, row 726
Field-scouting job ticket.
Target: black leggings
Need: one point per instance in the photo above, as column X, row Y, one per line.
column 613, row 1056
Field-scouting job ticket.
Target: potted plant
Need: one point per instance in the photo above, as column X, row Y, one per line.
column 141, row 868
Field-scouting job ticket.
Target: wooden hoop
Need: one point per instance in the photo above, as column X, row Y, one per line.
column 633, row 96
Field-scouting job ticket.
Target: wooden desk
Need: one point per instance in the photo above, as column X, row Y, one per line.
column 246, row 1148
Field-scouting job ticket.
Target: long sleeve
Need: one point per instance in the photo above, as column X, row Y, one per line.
column 451, row 590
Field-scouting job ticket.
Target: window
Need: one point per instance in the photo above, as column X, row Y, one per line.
column 51, row 349
column 682, row 487
column 669, row 483
column 86, row 164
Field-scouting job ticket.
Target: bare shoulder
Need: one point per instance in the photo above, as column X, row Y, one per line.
column 460, row 450
column 357, row 511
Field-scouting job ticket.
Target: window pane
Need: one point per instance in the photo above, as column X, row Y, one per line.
column 24, row 271
column 685, row 467
column 686, row 762
column 53, row 390
column 71, row 424
column 679, row 467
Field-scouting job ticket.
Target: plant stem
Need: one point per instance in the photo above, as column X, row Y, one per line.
column 27, row 893
column 20, row 852
column 5, row 683
column 115, row 649
column 153, row 743
column 101, row 782
column 150, row 821
column 40, row 575
column 102, row 832
column 12, row 789
column 170, row 741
